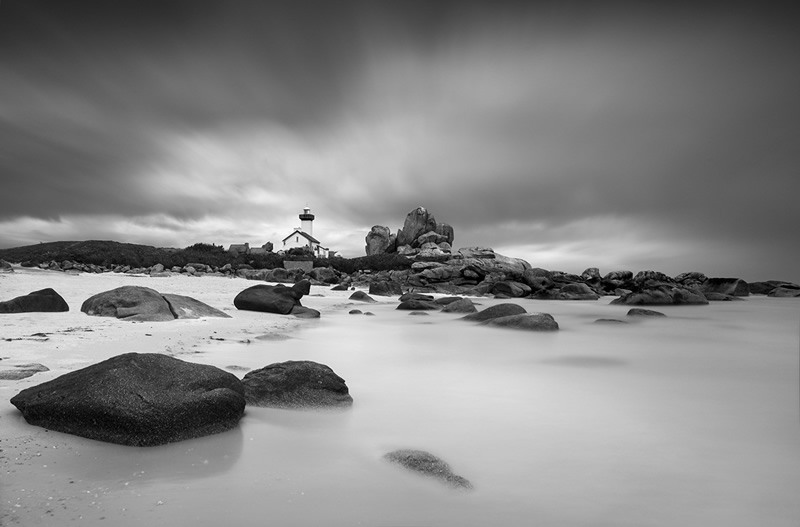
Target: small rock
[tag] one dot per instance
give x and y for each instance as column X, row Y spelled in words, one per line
column 427, row 464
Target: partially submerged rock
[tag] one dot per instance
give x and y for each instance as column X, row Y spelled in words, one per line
column 427, row 464
column 137, row 399
column 417, row 305
column 462, row 305
column 361, row 296
column 725, row 286
column 499, row 310
column 296, row 385
column 44, row 300
column 528, row 321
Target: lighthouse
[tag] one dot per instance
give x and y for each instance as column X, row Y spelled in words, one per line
column 307, row 221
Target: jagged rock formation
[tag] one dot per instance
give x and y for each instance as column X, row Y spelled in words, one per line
column 420, row 235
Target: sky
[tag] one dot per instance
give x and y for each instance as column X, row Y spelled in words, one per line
column 571, row 135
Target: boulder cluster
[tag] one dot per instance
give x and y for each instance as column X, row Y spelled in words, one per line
column 148, row 399
column 420, row 236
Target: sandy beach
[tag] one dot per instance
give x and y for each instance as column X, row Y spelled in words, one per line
column 691, row 420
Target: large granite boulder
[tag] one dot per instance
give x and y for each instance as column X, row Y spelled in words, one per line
column 527, row 321
column 44, row 300
column 137, row 303
column 137, row 399
column 379, row 240
column 278, row 299
column 497, row 311
column 725, row 286
column 5, row 267
column 296, row 385
column 426, row 464
column 447, row 231
column 661, row 295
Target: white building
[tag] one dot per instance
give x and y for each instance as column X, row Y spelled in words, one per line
column 303, row 236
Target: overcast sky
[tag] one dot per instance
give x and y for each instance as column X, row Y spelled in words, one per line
column 619, row 138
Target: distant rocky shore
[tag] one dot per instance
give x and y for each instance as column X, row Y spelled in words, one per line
column 431, row 265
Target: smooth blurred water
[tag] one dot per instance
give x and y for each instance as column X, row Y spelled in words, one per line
column 690, row 420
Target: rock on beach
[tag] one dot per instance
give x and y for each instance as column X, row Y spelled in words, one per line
column 296, row 385
column 42, row 301
column 137, row 399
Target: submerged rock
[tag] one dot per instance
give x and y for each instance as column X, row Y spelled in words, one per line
column 640, row 312
column 784, row 292
column 44, row 300
column 427, row 464
column 296, row 385
column 137, row 399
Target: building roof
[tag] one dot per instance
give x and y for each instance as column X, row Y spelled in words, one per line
column 304, row 234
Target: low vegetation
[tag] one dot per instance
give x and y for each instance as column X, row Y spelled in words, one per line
column 110, row 254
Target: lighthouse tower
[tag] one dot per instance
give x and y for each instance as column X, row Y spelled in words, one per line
column 307, row 221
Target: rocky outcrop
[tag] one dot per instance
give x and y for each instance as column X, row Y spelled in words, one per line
column 277, row 299
column 296, row 385
column 426, row 464
column 5, row 267
column 44, row 300
column 527, row 321
column 136, row 303
column 137, row 399
column 420, row 236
